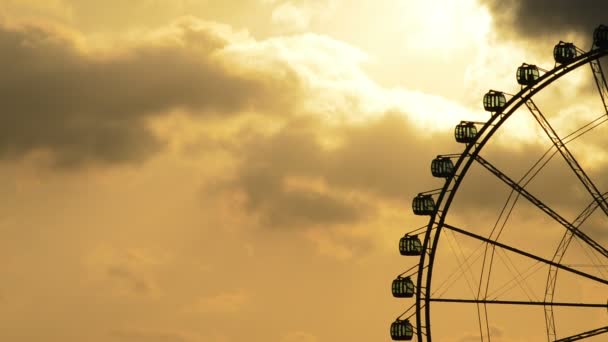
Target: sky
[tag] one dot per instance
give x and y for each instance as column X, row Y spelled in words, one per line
column 217, row 171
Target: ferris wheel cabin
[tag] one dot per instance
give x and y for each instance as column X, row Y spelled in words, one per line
column 403, row 287
column 494, row 101
column 465, row 132
column 402, row 330
column 410, row 245
column 564, row 52
column 600, row 36
column 527, row 74
column 442, row 167
column 423, row 205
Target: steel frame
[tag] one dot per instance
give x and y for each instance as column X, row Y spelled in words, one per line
column 446, row 196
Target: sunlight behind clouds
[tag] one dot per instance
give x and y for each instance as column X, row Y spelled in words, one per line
column 442, row 26
column 205, row 170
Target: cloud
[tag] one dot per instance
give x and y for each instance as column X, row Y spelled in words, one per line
column 291, row 17
column 228, row 302
column 126, row 271
column 295, row 178
column 539, row 19
column 134, row 280
column 148, row 336
column 299, row 336
column 82, row 104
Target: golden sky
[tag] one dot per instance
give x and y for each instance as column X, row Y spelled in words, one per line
column 242, row 170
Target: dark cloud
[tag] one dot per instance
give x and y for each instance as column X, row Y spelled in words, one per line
column 147, row 336
column 540, row 19
column 268, row 163
column 133, row 280
column 386, row 159
column 93, row 106
column 382, row 158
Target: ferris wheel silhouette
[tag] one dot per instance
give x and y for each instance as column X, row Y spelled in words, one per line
column 486, row 249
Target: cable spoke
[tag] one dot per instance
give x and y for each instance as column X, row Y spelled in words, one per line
column 557, row 257
column 561, row 147
column 464, row 268
column 526, row 254
column 518, row 279
column 585, row 334
column 517, row 302
column 592, row 243
column 600, row 81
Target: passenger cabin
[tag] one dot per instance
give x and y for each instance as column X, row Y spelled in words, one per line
column 442, row 167
column 600, row 37
column 410, row 245
column 402, row 330
column 465, row 132
column 564, row 52
column 527, row 74
column 423, row 205
column 403, row 287
column 494, row 101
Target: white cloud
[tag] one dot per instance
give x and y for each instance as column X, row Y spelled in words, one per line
column 221, row 303
column 291, row 18
column 299, row 336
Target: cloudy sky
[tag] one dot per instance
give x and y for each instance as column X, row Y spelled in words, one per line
column 216, row 171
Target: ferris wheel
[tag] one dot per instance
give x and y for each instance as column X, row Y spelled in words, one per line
column 494, row 260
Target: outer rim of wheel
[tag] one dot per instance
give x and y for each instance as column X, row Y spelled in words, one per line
column 452, row 184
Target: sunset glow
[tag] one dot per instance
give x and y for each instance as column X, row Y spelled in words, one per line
column 243, row 170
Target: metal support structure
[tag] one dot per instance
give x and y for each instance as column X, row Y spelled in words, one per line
column 552, row 273
column 563, row 150
column 518, row 302
column 526, row 254
column 462, row 165
column 570, row 227
column 600, row 81
column 583, row 335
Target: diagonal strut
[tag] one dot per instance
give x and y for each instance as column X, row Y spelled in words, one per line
column 561, row 147
column 573, row 229
column 600, row 81
column 585, row 334
column 526, row 254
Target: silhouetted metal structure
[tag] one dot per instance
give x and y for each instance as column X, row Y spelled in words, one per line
column 402, row 330
column 564, row 52
column 442, row 167
column 403, row 287
column 600, row 37
column 436, row 204
column 465, row 132
column 527, row 74
column 494, row 101
column 410, row 245
column 423, row 204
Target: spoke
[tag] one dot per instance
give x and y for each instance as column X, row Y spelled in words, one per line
column 600, row 81
column 573, row 229
column 561, row 147
column 563, row 246
column 585, row 334
column 517, row 302
column 557, row 257
column 526, row 254
column 517, row 279
column 464, row 270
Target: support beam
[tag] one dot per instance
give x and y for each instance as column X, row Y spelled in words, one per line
column 517, row 302
column 583, row 335
column 557, row 257
column 563, row 150
column 526, row 254
column 573, row 229
column 600, row 81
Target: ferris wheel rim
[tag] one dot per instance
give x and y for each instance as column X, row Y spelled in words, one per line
column 466, row 159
